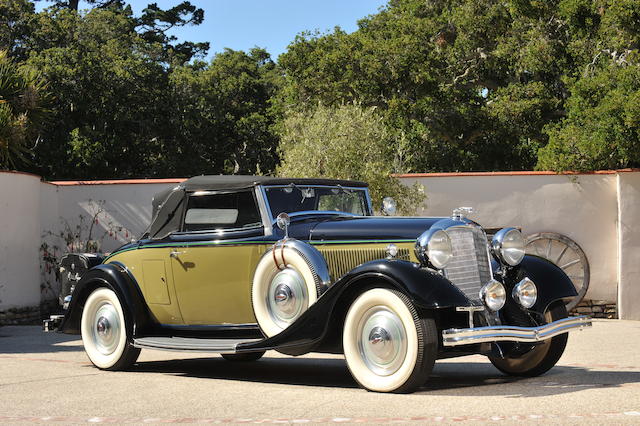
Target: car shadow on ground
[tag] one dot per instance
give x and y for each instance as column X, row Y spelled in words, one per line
column 28, row 339
column 447, row 378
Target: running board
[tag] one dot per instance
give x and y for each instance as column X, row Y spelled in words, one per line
column 225, row 346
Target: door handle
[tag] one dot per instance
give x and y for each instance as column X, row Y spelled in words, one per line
column 175, row 254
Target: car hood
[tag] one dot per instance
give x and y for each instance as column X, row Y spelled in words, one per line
column 371, row 228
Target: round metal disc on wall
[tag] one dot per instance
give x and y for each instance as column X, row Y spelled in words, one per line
column 567, row 254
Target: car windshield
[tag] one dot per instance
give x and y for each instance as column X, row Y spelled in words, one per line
column 298, row 198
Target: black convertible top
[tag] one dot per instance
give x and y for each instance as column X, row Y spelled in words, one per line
column 208, row 182
column 166, row 203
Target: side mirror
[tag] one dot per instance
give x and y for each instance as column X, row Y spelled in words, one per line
column 389, row 206
column 283, row 220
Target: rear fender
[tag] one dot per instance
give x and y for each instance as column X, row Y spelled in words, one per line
column 117, row 278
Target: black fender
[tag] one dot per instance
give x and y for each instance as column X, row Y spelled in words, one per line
column 553, row 284
column 117, row 278
column 426, row 289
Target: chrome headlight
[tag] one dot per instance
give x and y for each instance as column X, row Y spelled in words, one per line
column 494, row 295
column 434, row 247
column 525, row 293
column 508, row 246
column 389, row 206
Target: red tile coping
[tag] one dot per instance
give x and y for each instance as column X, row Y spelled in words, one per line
column 512, row 173
column 404, row 175
column 116, row 181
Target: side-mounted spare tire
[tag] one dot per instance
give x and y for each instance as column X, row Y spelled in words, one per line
column 288, row 279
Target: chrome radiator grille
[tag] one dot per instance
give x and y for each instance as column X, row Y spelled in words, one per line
column 341, row 261
column 469, row 268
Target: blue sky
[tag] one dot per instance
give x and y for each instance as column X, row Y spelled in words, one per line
column 272, row 24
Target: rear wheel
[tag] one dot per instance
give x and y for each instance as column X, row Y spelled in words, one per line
column 388, row 347
column 536, row 359
column 243, row 357
column 104, row 332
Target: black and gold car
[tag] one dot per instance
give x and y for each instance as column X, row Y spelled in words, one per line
column 238, row 265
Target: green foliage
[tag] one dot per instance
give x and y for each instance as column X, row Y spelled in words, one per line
column 23, row 98
column 456, row 84
column 345, row 142
column 472, row 84
column 602, row 128
column 222, row 115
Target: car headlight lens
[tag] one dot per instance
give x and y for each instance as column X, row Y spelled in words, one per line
column 494, row 295
column 508, row 246
column 525, row 293
column 434, row 247
column 389, row 206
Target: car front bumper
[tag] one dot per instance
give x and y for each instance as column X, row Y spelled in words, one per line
column 505, row 333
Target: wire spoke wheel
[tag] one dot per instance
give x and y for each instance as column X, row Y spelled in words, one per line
column 567, row 255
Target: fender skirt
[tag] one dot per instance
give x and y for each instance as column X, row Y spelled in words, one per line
column 426, row 289
column 115, row 277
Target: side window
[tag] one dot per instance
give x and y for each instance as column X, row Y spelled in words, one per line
column 221, row 211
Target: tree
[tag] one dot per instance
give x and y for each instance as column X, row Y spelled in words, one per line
column 345, row 142
column 153, row 25
column 111, row 96
column 16, row 18
column 602, row 125
column 130, row 102
column 472, row 84
column 602, row 128
column 223, row 117
column 23, row 100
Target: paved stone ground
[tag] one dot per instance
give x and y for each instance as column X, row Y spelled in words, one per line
column 47, row 378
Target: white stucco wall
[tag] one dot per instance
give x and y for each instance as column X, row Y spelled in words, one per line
column 124, row 205
column 598, row 211
column 629, row 245
column 19, row 240
column 582, row 207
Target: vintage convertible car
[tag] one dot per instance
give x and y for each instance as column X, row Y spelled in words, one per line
column 238, row 265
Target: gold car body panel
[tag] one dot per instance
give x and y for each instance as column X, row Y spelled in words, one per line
column 210, row 284
column 148, row 266
column 213, row 282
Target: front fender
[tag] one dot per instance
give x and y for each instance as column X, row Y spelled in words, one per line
column 115, row 277
column 426, row 290
column 553, row 284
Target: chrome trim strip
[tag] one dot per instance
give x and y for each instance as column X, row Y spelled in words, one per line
column 353, row 188
column 466, row 336
column 265, row 211
column 227, row 346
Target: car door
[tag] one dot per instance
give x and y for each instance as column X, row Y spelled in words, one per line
column 214, row 255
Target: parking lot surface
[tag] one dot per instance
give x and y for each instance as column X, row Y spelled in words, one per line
column 46, row 377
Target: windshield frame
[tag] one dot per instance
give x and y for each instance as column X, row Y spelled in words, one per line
column 365, row 190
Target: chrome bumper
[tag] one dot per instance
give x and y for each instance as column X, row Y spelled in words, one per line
column 500, row 333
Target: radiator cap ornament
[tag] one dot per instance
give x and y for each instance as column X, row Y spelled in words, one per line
column 460, row 213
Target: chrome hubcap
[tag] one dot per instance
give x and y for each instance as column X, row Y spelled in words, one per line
column 382, row 341
column 106, row 329
column 287, row 297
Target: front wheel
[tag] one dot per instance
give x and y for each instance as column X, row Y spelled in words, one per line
column 388, row 347
column 540, row 358
column 104, row 332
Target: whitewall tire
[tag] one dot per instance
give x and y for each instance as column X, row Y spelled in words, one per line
column 104, row 332
column 387, row 346
column 281, row 292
